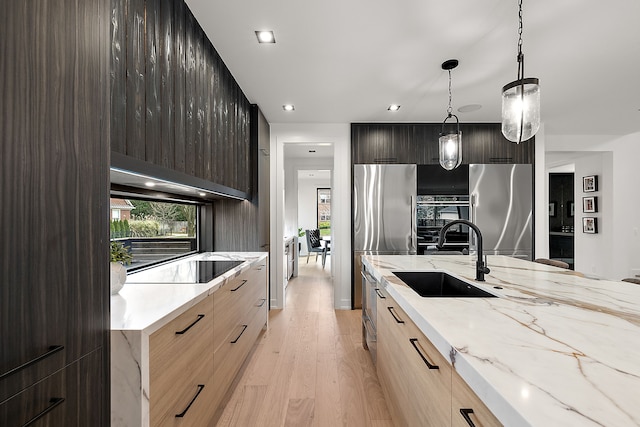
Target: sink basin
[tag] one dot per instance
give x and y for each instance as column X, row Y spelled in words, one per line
column 440, row 284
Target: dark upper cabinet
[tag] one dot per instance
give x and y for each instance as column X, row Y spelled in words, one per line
column 174, row 102
column 484, row 143
column 418, row 143
column 426, row 140
column 383, row 143
column 54, row 140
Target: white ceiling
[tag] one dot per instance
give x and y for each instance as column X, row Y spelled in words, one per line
column 341, row 61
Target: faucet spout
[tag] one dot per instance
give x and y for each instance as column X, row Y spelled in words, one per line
column 481, row 267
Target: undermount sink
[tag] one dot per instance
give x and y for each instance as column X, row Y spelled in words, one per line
column 440, row 284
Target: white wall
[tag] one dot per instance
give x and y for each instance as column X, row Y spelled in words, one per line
column 339, row 135
column 613, row 253
column 307, row 205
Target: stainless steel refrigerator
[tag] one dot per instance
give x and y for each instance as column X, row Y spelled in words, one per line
column 384, row 215
column 501, row 199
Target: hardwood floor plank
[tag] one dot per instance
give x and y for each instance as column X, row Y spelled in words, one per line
column 309, row 368
column 328, row 408
column 299, row 413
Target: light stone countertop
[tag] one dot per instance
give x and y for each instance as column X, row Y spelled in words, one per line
column 149, row 306
column 554, row 349
column 139, row 310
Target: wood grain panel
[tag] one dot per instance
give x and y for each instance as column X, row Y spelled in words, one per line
column 153, row 87
column 136, row 88
column 118, row 76
column 235, row 226
column 209, row 112
column 180, row 86
column 418, row 143
column 54, row 136
column 180, row 107
column 190, row 93
column 167, row 61
column 200, row 104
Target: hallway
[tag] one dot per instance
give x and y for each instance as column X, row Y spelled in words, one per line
column 309, row 368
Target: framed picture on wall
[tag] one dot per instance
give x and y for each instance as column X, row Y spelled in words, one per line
column 590, row 225
column 590, row 204
column 553, row 208
column 590, row 183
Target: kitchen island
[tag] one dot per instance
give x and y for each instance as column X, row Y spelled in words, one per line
column 554, row 349
column 177, row 344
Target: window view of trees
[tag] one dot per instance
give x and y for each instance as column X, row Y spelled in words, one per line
column 153, row 231
column 324, row 211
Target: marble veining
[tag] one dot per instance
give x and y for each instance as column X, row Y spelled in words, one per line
column 554, row 349
column 138, row 311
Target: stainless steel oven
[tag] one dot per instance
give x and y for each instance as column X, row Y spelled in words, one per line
column 433, row 212
column 369, row 312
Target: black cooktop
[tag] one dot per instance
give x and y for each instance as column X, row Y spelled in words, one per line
column 196, row 271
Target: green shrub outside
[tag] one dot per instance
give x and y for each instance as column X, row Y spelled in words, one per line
column 145, row 228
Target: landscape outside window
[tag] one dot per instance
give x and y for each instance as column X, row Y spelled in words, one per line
column 153, row 231
column 324, row 211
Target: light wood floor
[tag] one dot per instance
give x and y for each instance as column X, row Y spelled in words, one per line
column 309, row 368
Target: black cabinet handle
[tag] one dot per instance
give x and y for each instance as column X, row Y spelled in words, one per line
column 200, row 316
column 183, row 413
column 429, row 365
column 398, row 320
column 53, row 403
column 379, row 294
column 239, row 286
column 465, row 414
column 244, row 328
column 52, row 350
column 263, row 300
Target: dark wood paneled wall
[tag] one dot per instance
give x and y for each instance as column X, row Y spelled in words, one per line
column 418, row 143
column 238, row 225
column 54, row 269
column 174, row 102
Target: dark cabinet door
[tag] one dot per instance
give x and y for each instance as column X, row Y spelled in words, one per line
column 71, row 397
column 484, row 143
column 426, row 140
column 54, row 186
column 383, row 143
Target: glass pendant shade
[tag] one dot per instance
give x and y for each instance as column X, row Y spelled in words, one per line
column 450, row 150
column 521, row 110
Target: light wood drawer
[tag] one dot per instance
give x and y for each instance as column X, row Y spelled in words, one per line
column 416, row 375
column 465, row 402
column 180, row 355
column 187, row 402
column 230, row 356
column 234, row 303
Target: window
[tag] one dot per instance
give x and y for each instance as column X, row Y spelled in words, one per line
column 154, row 231
column 324, row 211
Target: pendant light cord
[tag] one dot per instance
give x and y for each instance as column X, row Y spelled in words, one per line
column 449, row 110
column 520, row 71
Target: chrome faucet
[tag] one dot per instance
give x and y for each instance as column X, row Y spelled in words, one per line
column 481, row 267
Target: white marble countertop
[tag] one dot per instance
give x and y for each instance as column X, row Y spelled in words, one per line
column 147, row 307
column 554, row 349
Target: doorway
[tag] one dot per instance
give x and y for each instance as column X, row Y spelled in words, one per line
column 561, row 217
column 314, row 211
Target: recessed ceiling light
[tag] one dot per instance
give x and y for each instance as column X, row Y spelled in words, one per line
column 265, row 37
column 202, row 194
column 288, row 107
column 150, row 184
column 393, row 107
column 469, row 108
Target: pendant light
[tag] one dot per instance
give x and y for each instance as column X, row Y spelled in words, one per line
column 450, row 143
column 520, row 100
